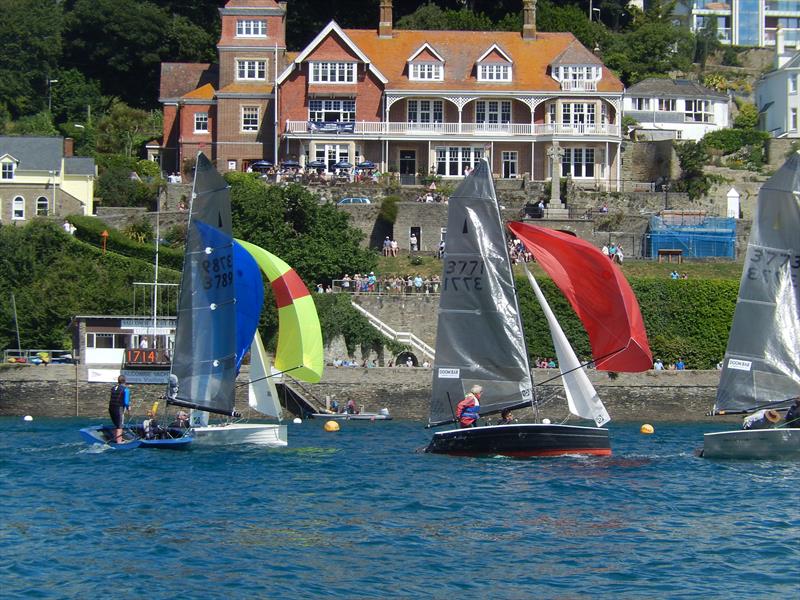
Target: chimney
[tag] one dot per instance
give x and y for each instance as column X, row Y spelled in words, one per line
column 529, row 19
column 69, row 147
column 385, row 22
column 780, row 47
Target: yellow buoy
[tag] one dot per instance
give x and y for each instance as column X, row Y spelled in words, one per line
column 647, row 429
column 331, row 426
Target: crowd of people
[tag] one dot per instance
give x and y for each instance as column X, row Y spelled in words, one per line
column 614, row 252
column 518, row 253
column 675, row 275
column 678, row 365
column 430, row 197
column 387, row 284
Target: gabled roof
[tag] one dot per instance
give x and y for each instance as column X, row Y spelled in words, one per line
column 204, row 92
column 34, row 153
column 576, row 54
column 793, row 62
column 673, row 88
column 461, row 49
column 251, row 4
column 331, row 28
column 494, row 48
column 179, row 79
column 425, row 47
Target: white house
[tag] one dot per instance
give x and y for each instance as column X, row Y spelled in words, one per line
column 777, row 96
column 675, row 109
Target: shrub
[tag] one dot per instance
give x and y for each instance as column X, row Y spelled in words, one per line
column 388, row 210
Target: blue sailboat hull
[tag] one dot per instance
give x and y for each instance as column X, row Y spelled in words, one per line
column 176, row 439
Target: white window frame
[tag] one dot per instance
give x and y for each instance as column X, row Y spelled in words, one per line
column 451, row 160
column 8, row 169
column 42, row 206
column 698, row 111
column 577, row 73
column 578, row 114
column 345, row 108
column 510, row 158
column 493, row 111
column 331, row 73
column 251, row 69
column 578, row 162
column 792, row 119
column 424, row 110
column 18, row 208
column 792, row 83
column 251, row 28
column 667, row 105
column 426, row 71
column 250, row 123
column 495, row 72
column 640, row 103
column 201, row 122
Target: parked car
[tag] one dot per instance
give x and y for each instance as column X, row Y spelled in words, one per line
column 345, row 201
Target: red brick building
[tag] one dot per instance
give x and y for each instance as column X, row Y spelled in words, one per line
column 411, row 101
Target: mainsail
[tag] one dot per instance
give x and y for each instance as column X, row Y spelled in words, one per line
column 204, row 357
column 761, row 365
column 479, row 338
column 299, row 352
column 599, row 294
column 582, row 398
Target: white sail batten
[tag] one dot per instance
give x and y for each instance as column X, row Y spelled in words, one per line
column 582, row 398
column 262, row 393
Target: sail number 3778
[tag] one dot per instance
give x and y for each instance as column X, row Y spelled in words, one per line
column 463, row 275
column 217, row 272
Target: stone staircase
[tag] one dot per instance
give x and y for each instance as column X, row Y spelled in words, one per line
column 403, row 337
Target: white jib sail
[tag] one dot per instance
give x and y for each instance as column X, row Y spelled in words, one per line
column 262, row 394
column 582, row 398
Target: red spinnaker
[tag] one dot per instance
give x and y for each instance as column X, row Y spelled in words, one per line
column 599, row 294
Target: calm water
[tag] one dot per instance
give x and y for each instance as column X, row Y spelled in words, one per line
column 358, row 514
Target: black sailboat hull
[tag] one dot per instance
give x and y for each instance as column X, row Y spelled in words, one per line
column 522, row 441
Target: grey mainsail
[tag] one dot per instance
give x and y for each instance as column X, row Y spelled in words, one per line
column 204, row 357
column 479, row 338
column 761, row 362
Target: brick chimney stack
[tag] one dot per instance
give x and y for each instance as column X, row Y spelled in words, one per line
column 69, row 147
column 385, row 22
column 529, row 19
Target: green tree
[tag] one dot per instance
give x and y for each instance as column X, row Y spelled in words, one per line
column 123, row 130
column 122, row 43
column 432, row 17
column 693, row 157
column 30, row 48
column 747, row 117
column 316, row 239
column 75, row 98
column 38, row 124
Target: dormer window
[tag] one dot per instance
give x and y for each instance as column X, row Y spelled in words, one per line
column 577, row 73
column 251, row 28
column 494, row 72
column 495, row 65
column 7, row 171
column 426, row 72
column 332, row 72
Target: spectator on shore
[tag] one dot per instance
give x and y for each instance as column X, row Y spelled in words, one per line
column 658, row 365
column 680, row 365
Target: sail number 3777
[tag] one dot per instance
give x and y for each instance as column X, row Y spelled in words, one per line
column 217, row 272
column 463, row 275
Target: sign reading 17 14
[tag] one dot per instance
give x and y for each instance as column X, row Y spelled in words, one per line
column 463, row 275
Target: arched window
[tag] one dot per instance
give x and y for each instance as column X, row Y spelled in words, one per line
column 42, row 206
column 18, row 208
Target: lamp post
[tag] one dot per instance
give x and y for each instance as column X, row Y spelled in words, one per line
column 596, row 10
column 50, row 83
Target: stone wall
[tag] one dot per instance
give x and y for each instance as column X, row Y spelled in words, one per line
column 649, row 161
column 652, row 396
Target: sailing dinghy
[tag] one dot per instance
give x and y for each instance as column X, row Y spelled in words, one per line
column 480, row 338
column 761, row 370
column 220, row 302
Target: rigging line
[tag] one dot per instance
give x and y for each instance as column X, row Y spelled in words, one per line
column 268, row 376
column 588, row 362
column 775, row 404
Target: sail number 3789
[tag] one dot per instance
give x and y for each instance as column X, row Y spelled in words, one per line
column 217, row 272
column 463, row 275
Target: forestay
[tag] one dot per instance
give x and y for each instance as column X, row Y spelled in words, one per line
column 761, row 362
column 479, row 337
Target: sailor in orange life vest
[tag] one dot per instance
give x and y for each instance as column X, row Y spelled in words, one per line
column 468, row 410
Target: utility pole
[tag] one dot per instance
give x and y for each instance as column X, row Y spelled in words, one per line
column 50, row 83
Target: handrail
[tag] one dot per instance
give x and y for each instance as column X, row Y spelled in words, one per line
column 404, row 337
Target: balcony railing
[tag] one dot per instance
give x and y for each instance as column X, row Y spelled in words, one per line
column 791, row 35
column 375, row 128
column 782, row 6
column 578, row 85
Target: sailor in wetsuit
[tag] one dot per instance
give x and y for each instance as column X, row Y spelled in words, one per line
column 468, row 410
column 119, row 402
column 793, row 414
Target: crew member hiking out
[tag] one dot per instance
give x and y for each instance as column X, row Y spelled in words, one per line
column 119, row 402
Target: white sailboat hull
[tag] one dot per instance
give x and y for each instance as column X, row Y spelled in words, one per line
column 778, row 443
column 260, row 434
